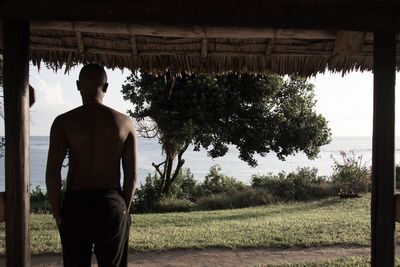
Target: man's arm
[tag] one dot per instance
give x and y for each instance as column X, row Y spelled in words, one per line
column 57, row 152
column 129, row 163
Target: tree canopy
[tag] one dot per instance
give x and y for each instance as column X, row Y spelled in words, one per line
column 258, row 114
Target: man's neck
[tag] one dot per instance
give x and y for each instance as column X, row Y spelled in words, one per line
column 92, row 100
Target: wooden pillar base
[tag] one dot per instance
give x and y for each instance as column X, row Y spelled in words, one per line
column 16, row 125
column 383, row 153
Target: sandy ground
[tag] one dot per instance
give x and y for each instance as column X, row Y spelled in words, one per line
column 220, row 256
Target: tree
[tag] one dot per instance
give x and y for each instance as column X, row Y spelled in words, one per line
column 256, row 113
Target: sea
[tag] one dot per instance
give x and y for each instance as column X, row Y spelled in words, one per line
column 149, row 151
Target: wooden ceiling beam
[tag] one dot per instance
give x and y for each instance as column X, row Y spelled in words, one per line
column 359, row 15
column 204, row 51
column 181, row 31
column 81, row 46
column 348, row 43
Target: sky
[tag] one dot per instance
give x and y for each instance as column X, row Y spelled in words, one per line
column 346, row 102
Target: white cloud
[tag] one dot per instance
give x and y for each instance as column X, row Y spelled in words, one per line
column 50, row 102
column 46, row 94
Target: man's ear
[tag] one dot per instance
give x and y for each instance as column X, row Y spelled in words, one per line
column 105, row 86
column 32, row 96
column 78, row 85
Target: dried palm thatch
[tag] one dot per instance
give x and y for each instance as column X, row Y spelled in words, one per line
column 155, row 48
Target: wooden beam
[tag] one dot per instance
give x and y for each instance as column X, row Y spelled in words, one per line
column 81, row 47
column 128, row 53
column 204, row 48
column 363, row 15
column 181, row 31
column 383, row 153
column 16, row 111
column 133, row 44
column 348, row 43
column 268, row 47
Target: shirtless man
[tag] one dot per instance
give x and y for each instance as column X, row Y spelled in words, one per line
column 94, row 212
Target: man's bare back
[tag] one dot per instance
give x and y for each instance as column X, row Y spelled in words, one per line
column 96, row 137
column 95, row 210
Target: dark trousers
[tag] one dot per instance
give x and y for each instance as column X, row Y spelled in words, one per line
column 94, row 221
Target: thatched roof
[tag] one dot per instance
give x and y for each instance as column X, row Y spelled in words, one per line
column 156, row 48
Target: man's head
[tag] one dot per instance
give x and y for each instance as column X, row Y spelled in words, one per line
column 92, row 83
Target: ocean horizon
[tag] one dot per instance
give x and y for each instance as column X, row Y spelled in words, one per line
column 149, row 151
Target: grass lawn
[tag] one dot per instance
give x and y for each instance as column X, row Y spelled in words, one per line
column 331, row 221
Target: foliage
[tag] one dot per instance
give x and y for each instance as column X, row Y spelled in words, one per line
column 351, row 175
column 302, row 184
column 39, row 200
column 215, row 182
column 2, row 146
column 144, row 199
column 171, row 204
column 234, row 200
column 185, row 186
column 256, row 113
column 218, row 191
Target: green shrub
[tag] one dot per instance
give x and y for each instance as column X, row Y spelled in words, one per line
column 39, row 201
column 216, row 182
column 300, row 185
column 352, row 176
column 185, row 186
column 240, row 199
column 173, row 205
column 321, row 190
column 144, row 199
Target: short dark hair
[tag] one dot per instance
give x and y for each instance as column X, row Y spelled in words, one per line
column 92, row 69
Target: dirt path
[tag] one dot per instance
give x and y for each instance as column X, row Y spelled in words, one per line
column 221, row 257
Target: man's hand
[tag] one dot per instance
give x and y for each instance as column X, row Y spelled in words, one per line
column 129, row 163
column 57, row 152
column 58, row 221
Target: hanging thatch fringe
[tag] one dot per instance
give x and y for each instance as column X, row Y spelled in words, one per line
column 157, row 49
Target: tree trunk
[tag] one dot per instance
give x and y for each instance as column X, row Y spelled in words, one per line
column 168, row 172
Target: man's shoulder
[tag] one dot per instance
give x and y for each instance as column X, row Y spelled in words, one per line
column 116, row 112
column 120, row 116
column 70, row 116
column 64, row 116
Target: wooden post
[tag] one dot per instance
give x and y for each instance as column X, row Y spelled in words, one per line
column 16, row 112
column 383, row 154
column 397, row 206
